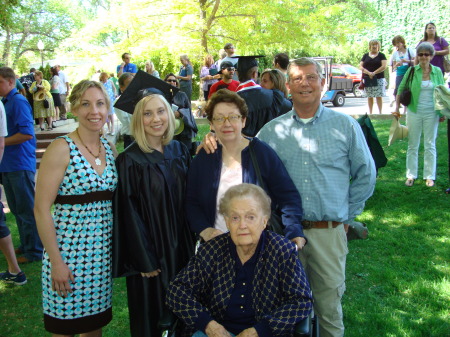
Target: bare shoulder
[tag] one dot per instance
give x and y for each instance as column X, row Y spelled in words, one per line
column 57, row 154
column 113, row 149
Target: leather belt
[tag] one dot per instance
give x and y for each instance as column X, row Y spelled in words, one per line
column 320, row 224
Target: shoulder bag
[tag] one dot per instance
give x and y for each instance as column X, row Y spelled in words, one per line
column 275, row 223
column 405, row 96
column 46, row 102
column 446, row 59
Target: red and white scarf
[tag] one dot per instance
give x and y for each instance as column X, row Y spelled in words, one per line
column 250, row 84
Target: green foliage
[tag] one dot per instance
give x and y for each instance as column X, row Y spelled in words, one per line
column 33, row 20
column 46, row 71
column 408, row 18
column 162, row 30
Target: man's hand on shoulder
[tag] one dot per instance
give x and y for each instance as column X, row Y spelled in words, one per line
column 209, row 143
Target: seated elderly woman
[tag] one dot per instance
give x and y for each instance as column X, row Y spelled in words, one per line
column 247, row 282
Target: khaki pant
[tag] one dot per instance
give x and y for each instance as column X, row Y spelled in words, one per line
column 62, row 108
column 323, row 259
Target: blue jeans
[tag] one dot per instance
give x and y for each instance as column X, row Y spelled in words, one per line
column 19, row 190
column 4, row 230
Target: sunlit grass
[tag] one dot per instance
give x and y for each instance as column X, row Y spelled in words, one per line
column 398, row 281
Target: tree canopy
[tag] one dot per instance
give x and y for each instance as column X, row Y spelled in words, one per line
column 102, row 30
column 25, row 22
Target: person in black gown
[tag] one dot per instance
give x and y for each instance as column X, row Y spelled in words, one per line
column 184, row 112
column 263, row 104
column 151, row 241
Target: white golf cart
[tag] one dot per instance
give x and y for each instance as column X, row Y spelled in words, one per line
column 334, row 88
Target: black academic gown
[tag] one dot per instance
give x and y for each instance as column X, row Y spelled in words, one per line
column 263, row 106
column 190, row 127
column 286, row 106
column 150, row 231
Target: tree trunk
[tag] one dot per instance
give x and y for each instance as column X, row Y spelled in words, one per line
column 204, row 40
column 19, row 46
column 6, row 48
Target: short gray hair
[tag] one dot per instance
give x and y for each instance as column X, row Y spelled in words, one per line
column 426, row 46
column 302, row 62
column 242, row 191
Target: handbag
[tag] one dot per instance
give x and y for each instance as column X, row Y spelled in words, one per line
column 275, row 224
column 405, row 96
column 370, row 82
column 446, row 59
column 361, row 84
column 46, row 103
column 446, row 64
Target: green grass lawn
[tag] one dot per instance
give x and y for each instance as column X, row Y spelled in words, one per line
column 398, row 281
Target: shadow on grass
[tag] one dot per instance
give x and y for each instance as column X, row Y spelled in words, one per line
column 398, row 279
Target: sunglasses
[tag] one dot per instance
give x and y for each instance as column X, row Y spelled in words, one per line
column 423, row 54
column 229, row 68
column 174, row 81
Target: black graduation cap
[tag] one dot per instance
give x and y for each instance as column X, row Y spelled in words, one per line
column 142, row 85
column 246, row 62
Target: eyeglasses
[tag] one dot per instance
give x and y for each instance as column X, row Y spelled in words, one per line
column 309, row 79
column 174, row 81
column 229, row 68
column 423, row 54
column 231, row 119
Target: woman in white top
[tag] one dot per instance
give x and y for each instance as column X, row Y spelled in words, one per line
column 150, row 69
column 401, row 60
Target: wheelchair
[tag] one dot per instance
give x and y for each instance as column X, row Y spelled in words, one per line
column 308, row 327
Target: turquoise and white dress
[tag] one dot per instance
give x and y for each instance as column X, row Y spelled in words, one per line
column 83, row 222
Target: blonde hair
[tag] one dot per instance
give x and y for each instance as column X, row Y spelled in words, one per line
column 278, row 79
column 208, row 61
column 79, row 90
column 137, row 123
column 151, row 65
column 39, row 73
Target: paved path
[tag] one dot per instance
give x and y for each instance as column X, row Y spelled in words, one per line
column 353, row 106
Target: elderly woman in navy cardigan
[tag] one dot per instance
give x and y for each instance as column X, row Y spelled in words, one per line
column 231, row 165
column 248, row 282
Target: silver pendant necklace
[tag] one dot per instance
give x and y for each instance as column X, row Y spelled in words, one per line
column 97, row 159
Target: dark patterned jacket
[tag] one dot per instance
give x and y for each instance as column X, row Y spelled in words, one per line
column 281, row 293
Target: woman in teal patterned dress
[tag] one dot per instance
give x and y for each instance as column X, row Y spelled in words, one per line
column 78, row 175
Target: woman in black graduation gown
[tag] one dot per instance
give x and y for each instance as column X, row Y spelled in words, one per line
column 151, row 239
